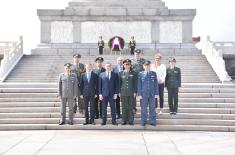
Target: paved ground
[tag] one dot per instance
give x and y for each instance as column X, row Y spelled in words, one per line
column 116, row 143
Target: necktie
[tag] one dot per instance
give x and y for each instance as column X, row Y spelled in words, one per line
column 108, row 75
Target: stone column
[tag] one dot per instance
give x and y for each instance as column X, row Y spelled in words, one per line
column 45, row 31
column 187, row 31
column 155, row 32
column 77, row 32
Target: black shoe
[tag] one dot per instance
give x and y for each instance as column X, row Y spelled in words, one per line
column 114, row 123
column 174, row 113
column 119, row 116
column 70, row 123
column 153, row 124
column 86, row 123
column 123, row 123
column 61, row 123
column 171, row 113
column 131, row 123
column 103, row 123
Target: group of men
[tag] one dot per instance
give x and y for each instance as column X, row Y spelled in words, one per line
column 130, row 80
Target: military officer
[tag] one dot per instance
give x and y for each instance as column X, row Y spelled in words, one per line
column 137, row 66
column 101, row 45
column 172, row 83
column 132, row 45
column 98, row 103
column 127, row 84
column 78, row 68
column 67, row 92
column 147, row 89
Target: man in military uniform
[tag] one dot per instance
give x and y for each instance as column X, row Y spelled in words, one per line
column 67, row 92
column 137, row 66
column 132, row 45
column 127, row 84
column 98, row 103
column 78, row 68
column 172, row 83
column 101, row 45
column 147, row 89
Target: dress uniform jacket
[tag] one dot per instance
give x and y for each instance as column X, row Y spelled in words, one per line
column 68, row 85
column 173, row 78
column 137, row 65
column 128, row 82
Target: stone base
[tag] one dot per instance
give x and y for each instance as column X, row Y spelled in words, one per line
column 91, row 49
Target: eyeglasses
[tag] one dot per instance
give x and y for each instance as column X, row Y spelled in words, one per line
column 127, row 64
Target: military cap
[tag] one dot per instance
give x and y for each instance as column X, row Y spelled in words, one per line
column 147, row 62
column 138, row 51
column 99, row 59
column 77, row 56
column 128, row 61
column 172, row 59
column 67, row 65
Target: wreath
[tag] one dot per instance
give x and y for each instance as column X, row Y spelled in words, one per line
column 116, row 43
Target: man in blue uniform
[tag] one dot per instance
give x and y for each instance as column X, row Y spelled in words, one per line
column 147, row 90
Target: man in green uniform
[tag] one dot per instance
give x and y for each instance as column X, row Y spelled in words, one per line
column 127, row 83
column 132, row 45
column 173, row 82
column 137, row 65
column 78, row 68
column 98, row 103
column 101, row 45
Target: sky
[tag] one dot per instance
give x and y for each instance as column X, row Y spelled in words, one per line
column 19, row 17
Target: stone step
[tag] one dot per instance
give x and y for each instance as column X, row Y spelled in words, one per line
column 210, row 128
column 163, row 116
column 57, row 109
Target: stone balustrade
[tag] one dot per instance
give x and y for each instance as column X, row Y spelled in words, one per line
column 214, row 55
column 12, row 53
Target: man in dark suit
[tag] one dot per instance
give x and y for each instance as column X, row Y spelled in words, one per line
column 108, row 90
column 173, row 82
column 89, row 90
column 117, row 69
column 98, row 103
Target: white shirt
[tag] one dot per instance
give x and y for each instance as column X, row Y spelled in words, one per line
column 108, row 74
column 160, row 71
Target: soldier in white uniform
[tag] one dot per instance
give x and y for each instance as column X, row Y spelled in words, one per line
column 67, row 92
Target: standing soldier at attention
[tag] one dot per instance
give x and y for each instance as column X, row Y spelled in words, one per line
column 98, row 103
column 137, row 66
column 132, row 45
column 127, row 84
column 172, row 83
column 147, row 89
column 101, row 45
column 67, row 88
column 78, row 68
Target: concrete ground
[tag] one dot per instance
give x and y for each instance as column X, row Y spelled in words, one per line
column 116, row 143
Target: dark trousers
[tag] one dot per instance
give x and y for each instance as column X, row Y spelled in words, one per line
column 111, row 101
column 161, row 95
column 101, row 49
column 173, row 97
column 118, row 111
column 98, row 107
column 89, row 100
column 127, row 109
column 132, row 50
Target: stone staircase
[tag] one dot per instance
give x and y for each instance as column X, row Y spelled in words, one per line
column 28, row 98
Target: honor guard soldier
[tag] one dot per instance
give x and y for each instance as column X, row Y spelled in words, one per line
column 132, row 45
column 78, row 68
column 101, row 45
column 127, row 84
column 98, row 103
column 137, row 66
column 147, row 89
column 67, row 87
column 172, row 83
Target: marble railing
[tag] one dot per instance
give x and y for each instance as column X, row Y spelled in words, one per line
column 214, row 55
column 12, row 53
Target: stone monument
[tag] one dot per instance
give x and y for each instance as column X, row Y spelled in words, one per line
column 154, row 26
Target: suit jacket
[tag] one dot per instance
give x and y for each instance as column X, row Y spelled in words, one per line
column 116, row 69
column 108, row 87
column 173, row 78
column 147, row 85
column 89, row 88
column 68, row 85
